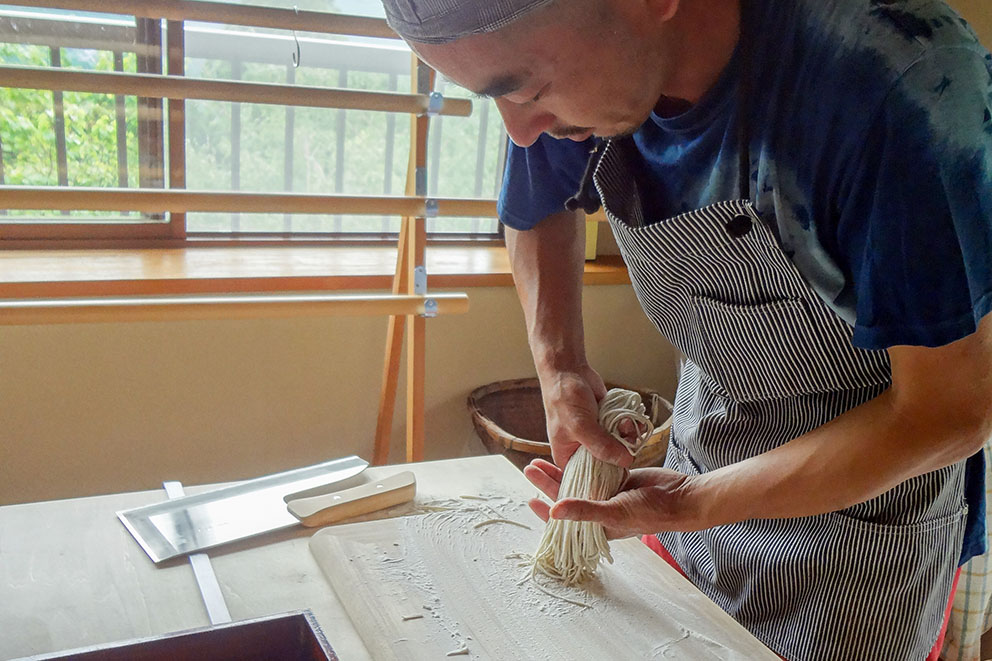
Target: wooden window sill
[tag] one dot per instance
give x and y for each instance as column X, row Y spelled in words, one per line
column 200, row 270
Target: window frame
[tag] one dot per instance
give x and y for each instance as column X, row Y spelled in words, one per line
column 172, row 229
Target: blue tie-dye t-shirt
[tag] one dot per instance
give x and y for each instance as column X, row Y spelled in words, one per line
column 871, row 155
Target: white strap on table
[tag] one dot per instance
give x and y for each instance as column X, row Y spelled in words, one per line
column 206, row 580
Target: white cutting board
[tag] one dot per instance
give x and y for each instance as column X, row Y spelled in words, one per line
column 468, row 594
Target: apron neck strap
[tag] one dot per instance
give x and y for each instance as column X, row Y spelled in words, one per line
column 744, row 99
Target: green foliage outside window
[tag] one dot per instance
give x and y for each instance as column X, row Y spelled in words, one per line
column 27, row 133
column 27, row 126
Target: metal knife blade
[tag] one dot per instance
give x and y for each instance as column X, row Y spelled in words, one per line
column 194, row 523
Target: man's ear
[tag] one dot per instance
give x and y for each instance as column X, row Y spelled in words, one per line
column 663, row 10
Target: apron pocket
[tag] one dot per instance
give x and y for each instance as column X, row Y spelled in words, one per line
column 766, row 351
column 850, row 589
column 858, row 528
column 831, row 587
column 678, row 459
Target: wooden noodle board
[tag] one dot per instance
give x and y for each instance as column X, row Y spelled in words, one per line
column 457, row 578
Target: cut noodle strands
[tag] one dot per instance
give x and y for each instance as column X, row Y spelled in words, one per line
column 570, row 551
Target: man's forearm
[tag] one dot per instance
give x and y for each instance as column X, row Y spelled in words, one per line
column 855, row 457
column 547, row 264
column 937, row 412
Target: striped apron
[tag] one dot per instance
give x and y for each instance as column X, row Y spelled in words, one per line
column 767, row 361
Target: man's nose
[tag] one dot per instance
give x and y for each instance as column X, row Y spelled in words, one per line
column 524, row 123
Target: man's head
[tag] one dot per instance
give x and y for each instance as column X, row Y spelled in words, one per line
column 570, row 68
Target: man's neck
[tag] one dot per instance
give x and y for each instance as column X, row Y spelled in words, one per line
column 700, row 41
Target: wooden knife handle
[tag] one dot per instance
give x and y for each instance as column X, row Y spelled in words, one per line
column 376, row 495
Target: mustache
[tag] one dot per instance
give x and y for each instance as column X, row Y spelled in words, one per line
column 568, row 131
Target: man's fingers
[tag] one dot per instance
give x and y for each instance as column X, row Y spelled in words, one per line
column 606, row 448
column 545, row 477
column 598, row 387
column 603, row 512
column 553, row 471
column 562, row 453
column 540, row 508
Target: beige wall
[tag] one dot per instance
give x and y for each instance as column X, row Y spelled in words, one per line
column 979, row 14
column 101, row 408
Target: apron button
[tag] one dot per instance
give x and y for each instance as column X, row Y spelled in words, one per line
column 739, row 226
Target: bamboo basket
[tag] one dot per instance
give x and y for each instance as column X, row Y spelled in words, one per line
column 509, row 418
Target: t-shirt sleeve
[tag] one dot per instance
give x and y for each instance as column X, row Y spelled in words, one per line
column 538, row 179
column 915, row 225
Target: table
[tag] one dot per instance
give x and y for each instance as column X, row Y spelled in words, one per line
column 72, row 576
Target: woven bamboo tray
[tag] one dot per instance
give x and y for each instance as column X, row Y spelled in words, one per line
column 509, row 418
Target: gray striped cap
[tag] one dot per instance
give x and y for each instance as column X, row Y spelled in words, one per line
column 442, row 21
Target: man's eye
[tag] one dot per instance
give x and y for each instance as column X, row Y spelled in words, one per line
column 537, row 97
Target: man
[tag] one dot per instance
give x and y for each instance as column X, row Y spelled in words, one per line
column 802, row 192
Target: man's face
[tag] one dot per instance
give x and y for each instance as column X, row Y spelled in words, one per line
column 571, row 75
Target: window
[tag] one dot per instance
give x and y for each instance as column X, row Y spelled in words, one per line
column 73, row 139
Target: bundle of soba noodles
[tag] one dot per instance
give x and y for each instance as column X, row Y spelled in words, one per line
column 570, row 551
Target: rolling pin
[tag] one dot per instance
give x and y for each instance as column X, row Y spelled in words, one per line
column 333, row 507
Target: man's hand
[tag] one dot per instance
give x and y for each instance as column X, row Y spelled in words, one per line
column 571, row 402
column 651, row 500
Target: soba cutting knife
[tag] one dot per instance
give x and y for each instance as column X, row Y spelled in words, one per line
column 206, row 520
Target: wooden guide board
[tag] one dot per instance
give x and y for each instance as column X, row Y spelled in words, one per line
column 434, row 585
